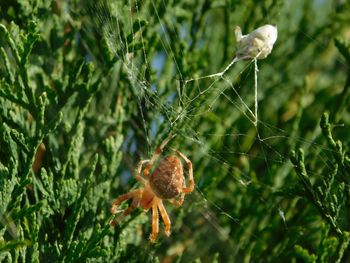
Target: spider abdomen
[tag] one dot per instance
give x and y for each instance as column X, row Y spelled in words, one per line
column 167, row 178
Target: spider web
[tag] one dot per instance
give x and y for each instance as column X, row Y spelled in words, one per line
column 243, row 150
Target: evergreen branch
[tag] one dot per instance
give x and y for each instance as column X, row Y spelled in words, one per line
column 12, row 245
column 75, row 216
column 11, row 43
column 9, row 75
column 6, row 93
column 344, row 244
column 298, row 160
column 338, row 152
column 21, row 60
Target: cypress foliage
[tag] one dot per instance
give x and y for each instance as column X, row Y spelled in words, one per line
column 88, row 88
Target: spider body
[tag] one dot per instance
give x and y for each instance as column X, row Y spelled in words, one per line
column 165, row 182
column 167, row 179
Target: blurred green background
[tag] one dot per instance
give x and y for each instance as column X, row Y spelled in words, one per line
column 88, row 88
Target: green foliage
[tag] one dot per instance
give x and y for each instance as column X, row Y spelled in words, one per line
column 88, row 88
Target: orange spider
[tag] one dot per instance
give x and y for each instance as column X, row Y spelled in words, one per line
column 166, row 181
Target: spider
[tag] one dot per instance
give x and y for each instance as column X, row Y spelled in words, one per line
column 165, row 182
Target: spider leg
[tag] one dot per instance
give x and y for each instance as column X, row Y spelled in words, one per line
column 119, row 200
column 122, row 216
column 155, row 223
column 165, row 217
column 190, row 174
column 178, row 202
column 135, row 195
column 156, row 154
column 138, row 171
